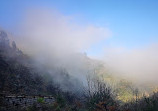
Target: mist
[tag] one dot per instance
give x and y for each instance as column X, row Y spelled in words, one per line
column 58, row 41
column 138, row 65
column 53, row 33
column 61, row 41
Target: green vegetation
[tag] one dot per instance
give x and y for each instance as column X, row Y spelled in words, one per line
column 40, row 100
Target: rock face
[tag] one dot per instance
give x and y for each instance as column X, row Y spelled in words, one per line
column 25, row 101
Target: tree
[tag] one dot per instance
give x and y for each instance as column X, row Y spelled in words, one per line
column 14, row 45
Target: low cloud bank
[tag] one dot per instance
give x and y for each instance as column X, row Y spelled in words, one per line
column 58, row 40
column 49, row 34
column 139, row 65
column 52, row 33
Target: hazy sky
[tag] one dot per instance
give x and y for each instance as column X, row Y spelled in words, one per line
column 133, row 23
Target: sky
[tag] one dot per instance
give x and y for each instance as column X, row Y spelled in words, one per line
column 133, row 23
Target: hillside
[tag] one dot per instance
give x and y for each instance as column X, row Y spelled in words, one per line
column 19, row 74
column 100, row 91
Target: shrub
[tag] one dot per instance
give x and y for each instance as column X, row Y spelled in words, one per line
column 99, row 95
column 40, row 100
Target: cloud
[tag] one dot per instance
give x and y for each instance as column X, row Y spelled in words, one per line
column 57, row 40
column 49, row 32
column 138, row 64
column 56, row 36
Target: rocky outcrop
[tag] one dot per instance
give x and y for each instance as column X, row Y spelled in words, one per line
column 26, row 101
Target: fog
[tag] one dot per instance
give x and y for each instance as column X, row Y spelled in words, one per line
column 59, row 40
column 53, row 33
column 139, row 65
